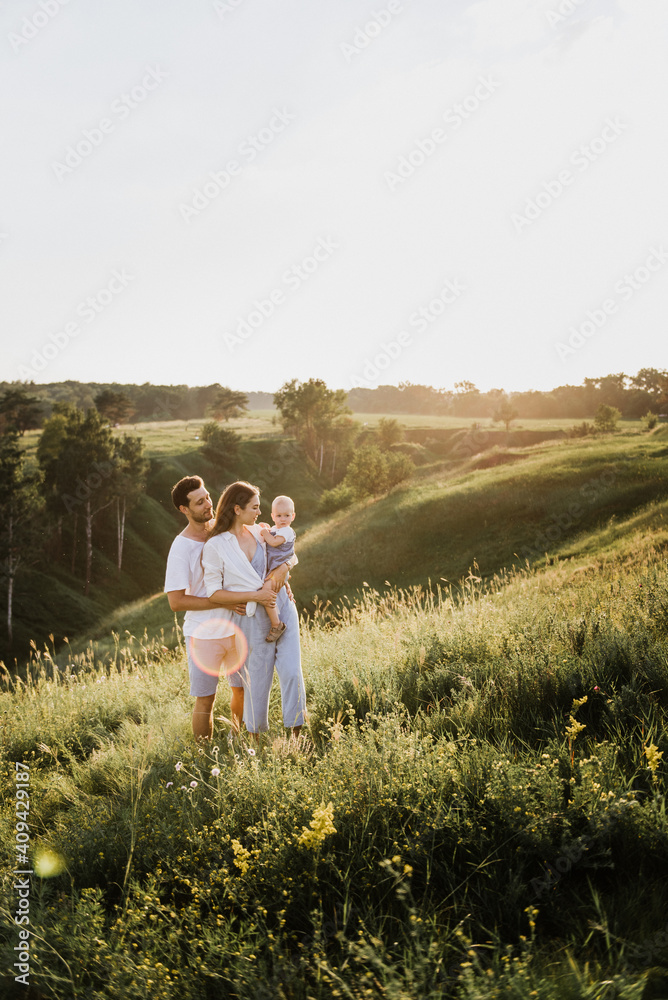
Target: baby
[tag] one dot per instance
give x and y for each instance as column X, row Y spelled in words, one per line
column 281, row 546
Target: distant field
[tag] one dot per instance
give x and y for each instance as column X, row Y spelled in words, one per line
column 417, row 420
column 173, row 437
column 176, row 437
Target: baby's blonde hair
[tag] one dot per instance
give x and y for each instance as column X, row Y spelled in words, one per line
column 278, row 500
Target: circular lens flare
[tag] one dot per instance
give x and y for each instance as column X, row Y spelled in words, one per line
column 48, row 863
column 215, row 656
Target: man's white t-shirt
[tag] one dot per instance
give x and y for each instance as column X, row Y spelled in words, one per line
column 184, row 571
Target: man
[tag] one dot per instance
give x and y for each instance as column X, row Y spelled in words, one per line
column 204, row 628
column 209, row 637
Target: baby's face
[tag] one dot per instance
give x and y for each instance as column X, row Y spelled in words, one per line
column 282, row 516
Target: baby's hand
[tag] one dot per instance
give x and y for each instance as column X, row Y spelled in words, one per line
column 264, row 526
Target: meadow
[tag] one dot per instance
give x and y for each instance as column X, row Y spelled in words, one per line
column 476, row 809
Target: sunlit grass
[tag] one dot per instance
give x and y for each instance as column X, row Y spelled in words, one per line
column 464, row 839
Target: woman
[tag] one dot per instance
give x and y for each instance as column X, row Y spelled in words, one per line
column 235, row 562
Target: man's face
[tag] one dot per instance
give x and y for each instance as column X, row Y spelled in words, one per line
column 199, row 507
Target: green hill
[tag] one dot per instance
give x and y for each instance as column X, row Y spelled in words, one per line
column 492, row 512
column 53, row 603
column 496, row 509
column 477, row 811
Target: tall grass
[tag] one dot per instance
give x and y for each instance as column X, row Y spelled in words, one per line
column 492, row 754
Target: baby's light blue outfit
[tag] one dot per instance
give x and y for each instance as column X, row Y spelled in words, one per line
column 258, row 671
column 281, row 553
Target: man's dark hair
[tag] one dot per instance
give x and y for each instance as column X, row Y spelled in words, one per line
column 183, row 488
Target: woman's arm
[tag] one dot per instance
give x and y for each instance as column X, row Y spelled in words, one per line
column 228, row 598
column 214, row 572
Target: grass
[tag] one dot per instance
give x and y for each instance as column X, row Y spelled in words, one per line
column 497, row 508
column 482, row 846
column 428, row 420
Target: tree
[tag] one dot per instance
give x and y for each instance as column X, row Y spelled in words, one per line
column 19, row 515
column 19, row 410
column 228, row 403
column 372, row 471
column 49, row 447
column 311, row 411
column 367, row 473
column 466, row 401
column 115, row 406
column 79, row 471
column 389, row 432
column 606, row 418
column 505, row 413
column 221, row 446
column 129, row 483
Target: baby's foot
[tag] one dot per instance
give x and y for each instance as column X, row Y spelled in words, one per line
column 275, row 632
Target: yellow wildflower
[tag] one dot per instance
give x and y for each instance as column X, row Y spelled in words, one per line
column 241, row 856
column 574, row 728
column 320, row 826
column 654, row 756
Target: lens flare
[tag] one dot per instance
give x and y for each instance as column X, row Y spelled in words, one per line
column 218, row 657
column 47, row 863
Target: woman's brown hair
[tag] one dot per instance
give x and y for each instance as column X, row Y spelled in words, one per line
column 238, row 494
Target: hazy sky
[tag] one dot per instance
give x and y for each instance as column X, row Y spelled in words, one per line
column 246, row 192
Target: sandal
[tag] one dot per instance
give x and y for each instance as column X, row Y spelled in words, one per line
column 275, row 632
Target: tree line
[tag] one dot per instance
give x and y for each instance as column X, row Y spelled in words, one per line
column 124, row 404
column 50, row 508
column 633, row 395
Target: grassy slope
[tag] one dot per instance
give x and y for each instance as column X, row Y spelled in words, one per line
column 441, row 522
column 53, row 602
column 436, row 527
column 459, row 807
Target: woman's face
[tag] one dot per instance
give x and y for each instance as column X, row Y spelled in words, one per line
column 250, row 513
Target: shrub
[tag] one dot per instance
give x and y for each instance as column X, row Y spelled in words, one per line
column 389, row 432
column 367, row 472
column 372, row 472
column 606, row 418
column 336, row 499
column 581, row 430
column 399, row 467
column 650, row 420
column 221, row 446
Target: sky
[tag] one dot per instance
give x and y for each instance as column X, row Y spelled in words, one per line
column 247, row 192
